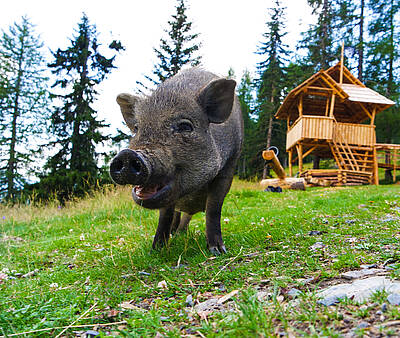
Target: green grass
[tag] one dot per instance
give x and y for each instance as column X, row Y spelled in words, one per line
column 93, row 255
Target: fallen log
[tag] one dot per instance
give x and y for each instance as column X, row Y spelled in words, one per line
column 293, row 183
column 282, row 181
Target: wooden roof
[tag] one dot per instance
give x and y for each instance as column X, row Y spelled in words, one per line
column 363, row 94
column 354, row 101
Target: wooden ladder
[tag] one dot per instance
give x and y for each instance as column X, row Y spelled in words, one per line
column 342, row 152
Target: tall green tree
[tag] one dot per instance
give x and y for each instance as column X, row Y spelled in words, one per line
column 78, row 69
column 245, row 92
column 383, row 70
column 23, row 102
column 350, row 27
column 271, row 83
column 178, row 49
column 319, row 39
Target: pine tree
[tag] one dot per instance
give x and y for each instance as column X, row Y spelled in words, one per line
column 319, row 39
column 245, row 92
column 177, row 50
column 23, row 102
column 383, row 61
column 350, row 28
column 271, row 83
column 73, row 169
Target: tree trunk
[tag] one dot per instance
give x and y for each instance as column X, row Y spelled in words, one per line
column 79, row 111
column 12, row 161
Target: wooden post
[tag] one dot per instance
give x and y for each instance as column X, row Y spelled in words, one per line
column 290, row 162
column 300, row 105
column 373, row 116
column 394, row 164
column 332, row 105
column 341, row 64
column 327, row 106
column 375, row 175
column 299, row 148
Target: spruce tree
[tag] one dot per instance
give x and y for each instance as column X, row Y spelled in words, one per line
column 319, row 39
column 23, row 102
column 245, row 92
column 382, row 66
column 270, row 84
column 78, row 69
column 177, row 49
column 350, row 29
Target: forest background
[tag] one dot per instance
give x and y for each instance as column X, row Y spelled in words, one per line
column 53, row 143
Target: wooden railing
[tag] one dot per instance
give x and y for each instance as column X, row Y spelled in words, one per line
column 356, row 134
column 322, row 128
column 310, row 127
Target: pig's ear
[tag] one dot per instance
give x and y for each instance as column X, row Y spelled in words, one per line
column 217, row 99
column 127, row 104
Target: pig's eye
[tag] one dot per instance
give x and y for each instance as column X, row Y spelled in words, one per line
column 184, row 126
column 134, row 130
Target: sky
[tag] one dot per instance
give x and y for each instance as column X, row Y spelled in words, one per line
column 230, row 31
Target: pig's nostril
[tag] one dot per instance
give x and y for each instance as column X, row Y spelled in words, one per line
column 116, row 166
column 135, row 166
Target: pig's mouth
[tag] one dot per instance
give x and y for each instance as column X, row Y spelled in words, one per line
column 155, row 193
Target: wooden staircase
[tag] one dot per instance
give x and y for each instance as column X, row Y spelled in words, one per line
column 354, row 159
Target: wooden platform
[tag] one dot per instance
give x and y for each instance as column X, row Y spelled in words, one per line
column 388, row 157
column 336, row 177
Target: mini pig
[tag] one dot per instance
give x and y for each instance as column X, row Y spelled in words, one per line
column 186, row 140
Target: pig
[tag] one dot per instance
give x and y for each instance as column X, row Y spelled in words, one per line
column 186, row 139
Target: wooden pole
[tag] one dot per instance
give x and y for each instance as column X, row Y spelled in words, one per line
column 341, row 64
column 300, row 156
column 290, row 162
column 394, row 164
column 332, row 105
column 282, row 181
column 376, row 174
column 269, row 155
column 300, row 105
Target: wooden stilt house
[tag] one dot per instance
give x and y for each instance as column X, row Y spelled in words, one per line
column 331, row 115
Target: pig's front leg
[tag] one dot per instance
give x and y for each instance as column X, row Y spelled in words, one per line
column 215, row 198
column 164, row 226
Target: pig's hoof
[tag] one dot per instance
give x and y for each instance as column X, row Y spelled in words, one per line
column 218, row 251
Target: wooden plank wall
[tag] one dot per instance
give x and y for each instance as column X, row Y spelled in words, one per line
column 357, row 134
column 317, row 127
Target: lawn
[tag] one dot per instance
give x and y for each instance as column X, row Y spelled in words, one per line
column 87, row 267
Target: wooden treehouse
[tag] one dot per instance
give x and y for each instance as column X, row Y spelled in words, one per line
column 331, row 115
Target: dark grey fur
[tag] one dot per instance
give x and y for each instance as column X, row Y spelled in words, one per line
column 187, row 137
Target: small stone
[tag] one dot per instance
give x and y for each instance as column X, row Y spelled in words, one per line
column 293, row 293
column 368, row 266
column 363, row 325
column 317, row 245
column 91, row 333
column 328, row 301
column 384, row 307
column 222, row 288
column 144, row 273
column 315, row 233
column 189, row 301
column 263, row 296
column 394, row 299
column 360, row 273
column 164, row 319
column 379, row 312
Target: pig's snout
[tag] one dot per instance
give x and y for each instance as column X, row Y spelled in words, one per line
column 129, row 167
